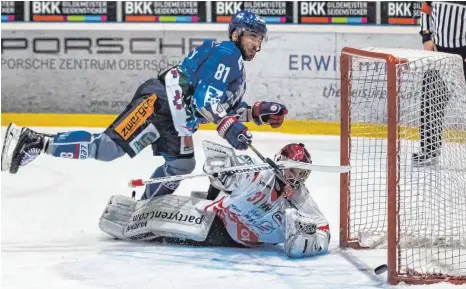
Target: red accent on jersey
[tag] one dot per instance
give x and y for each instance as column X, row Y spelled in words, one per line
column 246, row 235
column 76, row 155
column 274, row 195
column 426, row 8
column 243, row 232
column 325, row 228
column 257, row 198
column 214, row 204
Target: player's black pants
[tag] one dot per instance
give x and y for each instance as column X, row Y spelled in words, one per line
column 147, row 120
column 434, row 99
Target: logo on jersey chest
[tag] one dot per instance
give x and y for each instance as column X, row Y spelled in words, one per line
column 213, row 95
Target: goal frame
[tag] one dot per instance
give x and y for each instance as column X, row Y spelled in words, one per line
column 393, row 166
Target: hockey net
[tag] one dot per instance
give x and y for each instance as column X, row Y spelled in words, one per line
column 414, row 210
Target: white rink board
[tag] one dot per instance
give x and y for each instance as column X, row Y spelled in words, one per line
column 298, row 66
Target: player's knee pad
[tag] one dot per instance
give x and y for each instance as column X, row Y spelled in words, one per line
column 302, row 238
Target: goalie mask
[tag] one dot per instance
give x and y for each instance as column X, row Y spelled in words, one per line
column 295, row 152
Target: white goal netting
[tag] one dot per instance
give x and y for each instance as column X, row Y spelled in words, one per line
column 429, row 94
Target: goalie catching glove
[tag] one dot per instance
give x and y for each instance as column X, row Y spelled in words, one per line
column 303, row 237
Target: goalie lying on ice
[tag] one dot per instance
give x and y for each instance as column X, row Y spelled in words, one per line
column 245, row 210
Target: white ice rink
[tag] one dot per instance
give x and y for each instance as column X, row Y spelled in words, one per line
column 50, row 236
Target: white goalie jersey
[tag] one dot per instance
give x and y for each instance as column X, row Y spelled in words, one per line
column 254, row 213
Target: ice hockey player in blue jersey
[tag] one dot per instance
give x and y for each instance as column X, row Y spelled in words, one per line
column 208, row 86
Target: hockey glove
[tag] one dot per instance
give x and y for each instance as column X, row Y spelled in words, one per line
column 269, row 112
column 234, row 132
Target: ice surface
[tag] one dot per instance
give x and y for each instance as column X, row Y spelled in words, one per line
column 50, row 236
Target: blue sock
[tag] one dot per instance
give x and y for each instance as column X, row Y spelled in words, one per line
column 73, row 145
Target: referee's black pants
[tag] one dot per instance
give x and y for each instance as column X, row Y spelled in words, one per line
column 434, row 99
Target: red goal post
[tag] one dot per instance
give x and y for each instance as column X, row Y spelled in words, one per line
column 417, row 214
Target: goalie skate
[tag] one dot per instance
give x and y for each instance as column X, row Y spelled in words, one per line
column 9, row 143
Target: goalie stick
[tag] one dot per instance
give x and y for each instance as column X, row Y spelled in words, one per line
column 244, row 170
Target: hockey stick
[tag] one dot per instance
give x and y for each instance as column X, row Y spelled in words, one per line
column 242, row 170
column 228, row 171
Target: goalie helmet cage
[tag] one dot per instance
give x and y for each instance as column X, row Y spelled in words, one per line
column 417, row 214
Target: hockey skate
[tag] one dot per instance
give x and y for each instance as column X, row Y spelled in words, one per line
column 424, row 159
column 21, row 146
column 10, row 140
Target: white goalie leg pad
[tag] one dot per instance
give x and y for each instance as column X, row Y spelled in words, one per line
column 117, row 215
column 169, row 216
column 302, row 237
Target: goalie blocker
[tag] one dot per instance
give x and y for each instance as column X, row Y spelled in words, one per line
column 248, row 210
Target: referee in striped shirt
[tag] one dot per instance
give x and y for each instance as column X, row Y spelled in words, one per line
column 443, row 28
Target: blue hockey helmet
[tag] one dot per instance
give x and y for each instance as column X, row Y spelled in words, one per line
column 245, row 20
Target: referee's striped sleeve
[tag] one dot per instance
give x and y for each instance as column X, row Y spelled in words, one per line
column 425, row 18
column 425, row 23
column 447, row 23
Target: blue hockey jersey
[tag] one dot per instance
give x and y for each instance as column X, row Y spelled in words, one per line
column 217, row 74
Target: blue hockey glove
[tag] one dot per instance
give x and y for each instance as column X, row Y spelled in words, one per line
column 272, row 113
column 236, row 133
